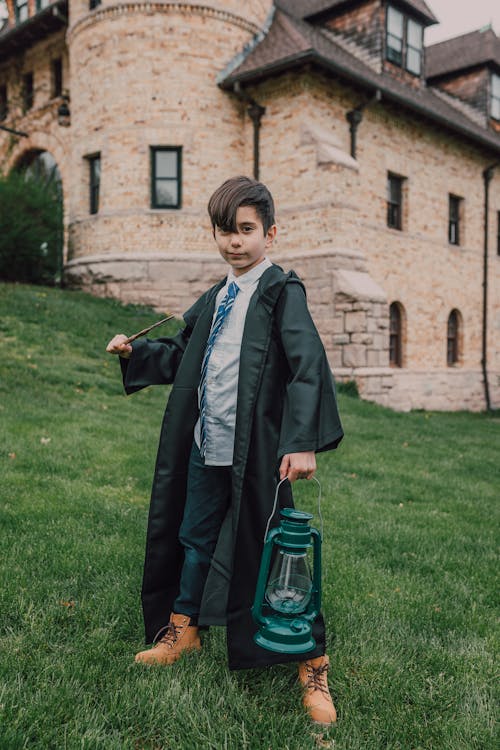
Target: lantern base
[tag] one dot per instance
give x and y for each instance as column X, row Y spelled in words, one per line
column 286, row 636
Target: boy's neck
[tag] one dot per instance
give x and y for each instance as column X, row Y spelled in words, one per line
column 237, row 273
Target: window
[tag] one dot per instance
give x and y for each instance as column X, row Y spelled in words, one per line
column 453, row 344
column 4, row 103
column 166, row 177
column 21, row 10
column 41, row 4
column 94, row 181
column 57, row 80
column 94, row 4
column 404, row 41
column 495, row 96
column 395, row 335
column 394, row 201
column 454, row 219
column 28, row 91
column 4, row 14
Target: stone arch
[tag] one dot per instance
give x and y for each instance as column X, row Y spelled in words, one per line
column 397, row 334
column 41, row 165
column 454, row 338
column 38, row 142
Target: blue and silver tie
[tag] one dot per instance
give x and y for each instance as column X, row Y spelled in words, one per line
column 222, row 312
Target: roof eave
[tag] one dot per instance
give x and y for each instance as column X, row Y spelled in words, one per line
column 311, row 56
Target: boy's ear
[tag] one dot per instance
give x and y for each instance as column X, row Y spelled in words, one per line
column 271, row 234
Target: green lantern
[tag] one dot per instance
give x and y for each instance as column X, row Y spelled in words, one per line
column 288, row 597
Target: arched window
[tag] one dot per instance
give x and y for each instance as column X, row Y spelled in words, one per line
column 396, row 335
column 453, row 338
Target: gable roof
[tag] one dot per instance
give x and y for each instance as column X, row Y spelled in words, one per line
column 467, row 51
column 308, row 9
column 291, row 43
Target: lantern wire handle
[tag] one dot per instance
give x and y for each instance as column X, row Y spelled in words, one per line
column 276, row 501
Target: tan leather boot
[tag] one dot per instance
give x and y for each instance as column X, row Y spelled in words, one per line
column 179, row 636
column 317, row 698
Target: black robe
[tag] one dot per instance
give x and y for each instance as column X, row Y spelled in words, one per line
column 286, row 404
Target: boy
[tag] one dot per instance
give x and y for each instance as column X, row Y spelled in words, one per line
column 252, row 399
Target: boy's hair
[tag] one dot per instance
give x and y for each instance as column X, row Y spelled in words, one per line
column 236, row 192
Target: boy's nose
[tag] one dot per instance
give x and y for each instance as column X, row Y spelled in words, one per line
column 235, row 240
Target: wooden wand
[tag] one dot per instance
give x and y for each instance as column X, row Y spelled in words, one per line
column 147, row 330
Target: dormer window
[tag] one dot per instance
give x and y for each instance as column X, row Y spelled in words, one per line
column 495, row 96
column 404, row 41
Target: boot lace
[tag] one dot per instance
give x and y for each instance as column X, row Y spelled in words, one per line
column 317, row 678
column 171, row 635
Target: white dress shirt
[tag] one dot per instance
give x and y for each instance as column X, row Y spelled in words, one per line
column 223, row 371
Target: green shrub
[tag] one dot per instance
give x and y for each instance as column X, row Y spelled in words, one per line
column 348, row 388
column 30, row 229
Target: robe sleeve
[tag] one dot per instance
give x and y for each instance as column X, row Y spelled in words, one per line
column 310, row 418
column 153, row 362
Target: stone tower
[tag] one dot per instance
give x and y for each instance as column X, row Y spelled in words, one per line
column 143, row 76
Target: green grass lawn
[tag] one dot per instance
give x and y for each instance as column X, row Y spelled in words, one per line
column 411, row 534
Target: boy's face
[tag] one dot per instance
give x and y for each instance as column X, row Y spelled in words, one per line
column 246, row 247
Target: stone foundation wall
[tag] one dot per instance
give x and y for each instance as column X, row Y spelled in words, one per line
column 350, row 311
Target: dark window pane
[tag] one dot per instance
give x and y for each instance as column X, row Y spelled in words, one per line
column 57, row 82
column 4, row 104
column 452, row 339
column 395, row 335
column 454, row 220
column 94, row 182
column 394, row 202
column 28, row 93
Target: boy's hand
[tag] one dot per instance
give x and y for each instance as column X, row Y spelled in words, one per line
column 298, row 466
column 117, row 346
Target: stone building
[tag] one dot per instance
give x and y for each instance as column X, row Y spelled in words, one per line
column 382, row 155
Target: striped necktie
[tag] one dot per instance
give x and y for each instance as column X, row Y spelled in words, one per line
column 222, row 312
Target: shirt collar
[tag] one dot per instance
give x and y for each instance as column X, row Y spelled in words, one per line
column 249, row 278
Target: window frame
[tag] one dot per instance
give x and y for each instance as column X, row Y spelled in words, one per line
column 453, row 340
column 392, row 205
column 94, row 181
column 28, row 91
column 400, row 57
column 56, row 73
column 153, row 150
column 19, row 7
column 4, row 102
column 455, row 220
column 396, row 335
column 495, row 97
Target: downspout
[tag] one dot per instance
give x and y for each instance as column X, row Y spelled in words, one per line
column 487, row 177
column 255, row 111
column 355, row 116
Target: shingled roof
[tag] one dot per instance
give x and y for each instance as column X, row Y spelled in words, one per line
column 308, row 9
column 291, row 43
column 467, row 51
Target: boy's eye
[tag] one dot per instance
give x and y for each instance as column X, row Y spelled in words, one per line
column 247, row 229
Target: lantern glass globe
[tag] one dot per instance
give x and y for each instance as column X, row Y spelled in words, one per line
column 289, row 587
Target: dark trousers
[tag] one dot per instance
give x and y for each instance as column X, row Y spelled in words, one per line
column 207, row 499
